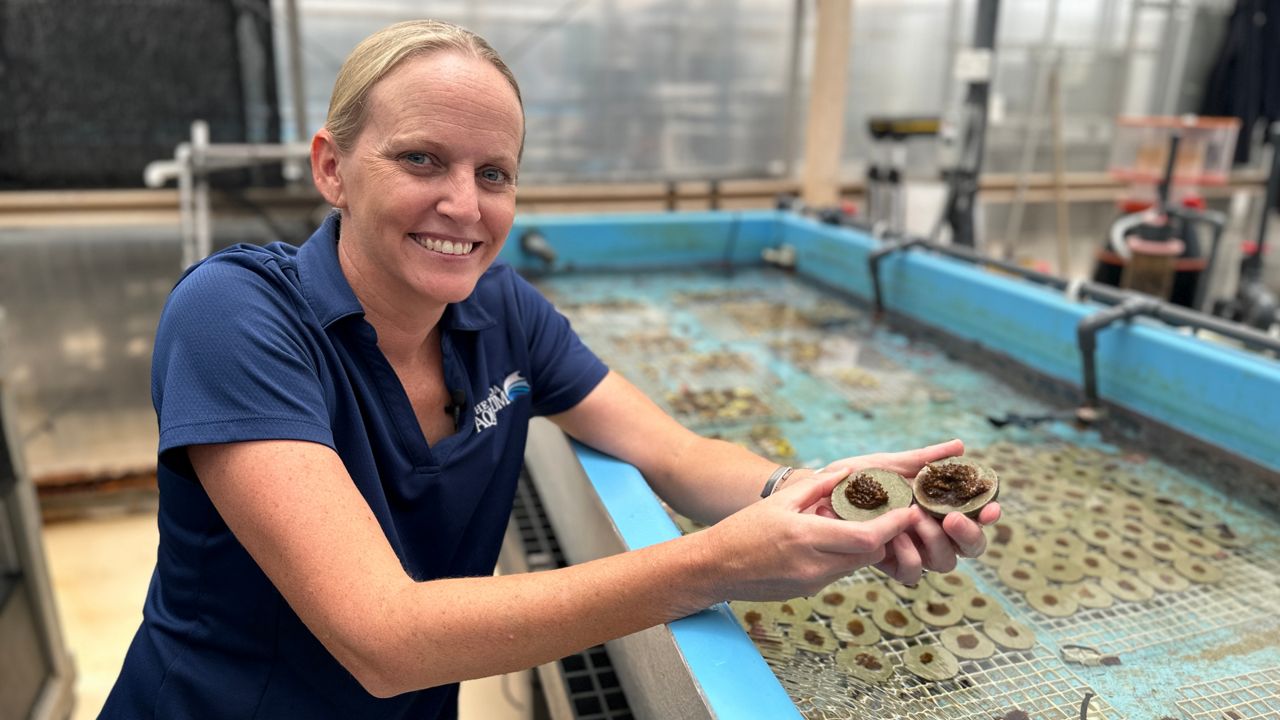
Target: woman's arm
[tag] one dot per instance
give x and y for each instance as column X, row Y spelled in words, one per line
column 708, row 480
column 292, row 505
column 703, row 479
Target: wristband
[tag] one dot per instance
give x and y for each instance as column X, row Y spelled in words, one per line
column 782, row 473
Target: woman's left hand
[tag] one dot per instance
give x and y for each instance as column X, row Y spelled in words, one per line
column 927, row 544
column 932, row 545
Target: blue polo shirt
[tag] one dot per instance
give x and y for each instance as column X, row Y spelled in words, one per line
column 270, row 343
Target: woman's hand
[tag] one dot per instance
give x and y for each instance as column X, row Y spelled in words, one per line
column 927, row 544
column 773, row 550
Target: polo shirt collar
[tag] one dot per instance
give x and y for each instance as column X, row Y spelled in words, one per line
column 323, row 284
column 331, row 296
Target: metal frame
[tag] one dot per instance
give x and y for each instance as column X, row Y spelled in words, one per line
column 20, row 519
column 192, row 164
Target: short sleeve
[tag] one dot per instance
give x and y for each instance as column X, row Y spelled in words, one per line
column 234, row 360
column 563, row 369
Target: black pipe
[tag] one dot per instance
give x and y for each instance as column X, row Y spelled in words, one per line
column 1166, row 184
column 1169, row 313
column 1254, row 303
column 1087, row 337
column 8, row 465
column 1185, row 317
column 962, row 181
column 1251, row 268
column 984, row 30
column 986, row 16
column 968, row 254
column 533, row 243
column 873, row 263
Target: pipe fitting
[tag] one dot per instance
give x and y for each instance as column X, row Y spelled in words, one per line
column 873, row 263
column 533, row 243
column 1087, row 338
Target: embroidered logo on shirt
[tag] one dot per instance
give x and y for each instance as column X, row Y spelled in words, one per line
column 515, row 386
column 486, row 411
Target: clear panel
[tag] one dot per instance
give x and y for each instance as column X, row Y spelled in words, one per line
column 613, row 89
column 82, row 307
column 623, row 90
column 902, row 54
column 900, row 60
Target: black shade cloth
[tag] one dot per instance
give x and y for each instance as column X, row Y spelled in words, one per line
column 1245, row 80
column 93, row 90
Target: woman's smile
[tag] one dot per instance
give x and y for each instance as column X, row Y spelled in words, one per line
column 454, row 247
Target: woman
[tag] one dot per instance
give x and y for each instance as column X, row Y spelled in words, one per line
column 328, row 531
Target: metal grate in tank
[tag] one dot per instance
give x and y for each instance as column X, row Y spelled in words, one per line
column 542, row 550
column 1033, row 681
column 1254, row 695
column 1248, row 594
column 590, row 683
column 593, row 686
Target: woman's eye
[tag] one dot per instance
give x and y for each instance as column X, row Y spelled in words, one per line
column 494, row 175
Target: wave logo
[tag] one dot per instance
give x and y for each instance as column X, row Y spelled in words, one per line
column 499, row 398
column 514, row 386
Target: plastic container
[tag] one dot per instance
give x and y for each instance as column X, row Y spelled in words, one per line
column 1140, row 148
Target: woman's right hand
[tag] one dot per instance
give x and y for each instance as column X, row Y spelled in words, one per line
column 774, row 550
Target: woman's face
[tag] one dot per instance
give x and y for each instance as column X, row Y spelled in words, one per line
column 428, row 191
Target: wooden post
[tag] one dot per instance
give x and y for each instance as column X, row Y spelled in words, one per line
column 824, row 128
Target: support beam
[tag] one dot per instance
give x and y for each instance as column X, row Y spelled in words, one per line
column 824, row 133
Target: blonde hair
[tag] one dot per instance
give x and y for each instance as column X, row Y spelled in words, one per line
column 382, row 51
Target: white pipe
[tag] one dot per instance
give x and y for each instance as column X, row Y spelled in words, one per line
column 158, row 173
column 1120, row 228
column 293, row 167
column 186, row 222
column 204, row 224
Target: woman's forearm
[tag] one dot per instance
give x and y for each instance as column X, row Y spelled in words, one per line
column 708, row 480
column 457, row 629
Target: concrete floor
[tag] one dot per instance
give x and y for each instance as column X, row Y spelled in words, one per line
column 100, row 568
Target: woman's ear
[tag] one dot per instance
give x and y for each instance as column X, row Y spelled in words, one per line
column 325, row 173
